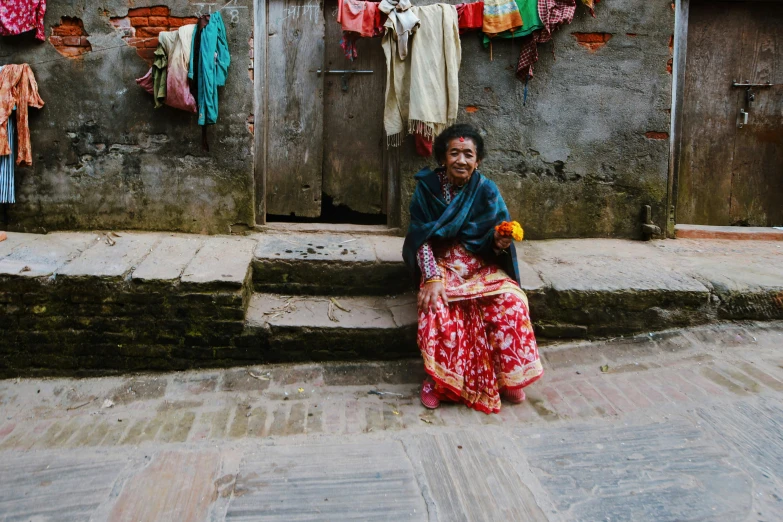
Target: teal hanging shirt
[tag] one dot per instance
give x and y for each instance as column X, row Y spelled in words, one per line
column 212, row 71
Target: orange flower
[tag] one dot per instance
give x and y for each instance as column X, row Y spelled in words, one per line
column 510, row 229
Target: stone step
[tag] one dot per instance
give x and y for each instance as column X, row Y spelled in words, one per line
column 732, row 233
column 330, row 264
column 280, row 328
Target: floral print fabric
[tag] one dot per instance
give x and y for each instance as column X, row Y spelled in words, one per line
column 482, row 342
column 19, row 16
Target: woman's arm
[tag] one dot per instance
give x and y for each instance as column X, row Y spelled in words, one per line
column 433, row 287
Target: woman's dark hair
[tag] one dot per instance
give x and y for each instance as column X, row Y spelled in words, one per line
column 458, row 130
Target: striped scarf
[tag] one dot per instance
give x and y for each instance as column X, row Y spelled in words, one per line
column 500, row 15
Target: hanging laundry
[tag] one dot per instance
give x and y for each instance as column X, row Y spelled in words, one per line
column 530, row 22
column 422, row 92
column 20, row 16
column 177, row 45
column 359, row 19
column 212, row 71
column 553, row 14
column 167, row 79
column 7, row 165
column 470, row 16
column 17, row 88
column 591, row 6
column 159, row 72
column 423, row 145
column 500, row 15
column 403, row 22
column 363, row 18
column 195, row 54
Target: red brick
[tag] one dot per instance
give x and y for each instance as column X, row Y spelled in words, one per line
column 669, row 63
column 471, row 108
column 191, row 20
column 159, row 21
column 67, row 30
column 147, row 54
column 592, row 41
column 655, row 135
column 176, row 22
column 150, row 43
column 56, row 40
column 149, row 31
column 139, row 11
column 73, row 41
column 159, row 11
column 630, row 35
column 84, row 42
column 71, row 52
column 140, row 21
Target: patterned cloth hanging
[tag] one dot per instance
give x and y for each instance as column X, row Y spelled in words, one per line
column 20, row 16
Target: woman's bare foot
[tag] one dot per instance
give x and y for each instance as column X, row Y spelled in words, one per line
column 428, row 397
column 514, row 396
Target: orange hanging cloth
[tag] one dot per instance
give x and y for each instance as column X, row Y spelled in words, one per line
column 17, row 89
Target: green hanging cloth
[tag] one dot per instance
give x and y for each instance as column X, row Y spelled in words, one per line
column 530, row 22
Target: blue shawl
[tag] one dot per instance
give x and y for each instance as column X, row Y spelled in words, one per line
column 470, row 217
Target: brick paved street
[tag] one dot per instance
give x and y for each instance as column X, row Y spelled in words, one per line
column 679, row 425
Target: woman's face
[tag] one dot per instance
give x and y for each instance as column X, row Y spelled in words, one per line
column 461, row 160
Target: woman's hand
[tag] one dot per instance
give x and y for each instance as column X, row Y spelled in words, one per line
column 429, row 295
column 502, row 242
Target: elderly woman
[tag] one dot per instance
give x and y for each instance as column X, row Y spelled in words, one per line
column 474, row 331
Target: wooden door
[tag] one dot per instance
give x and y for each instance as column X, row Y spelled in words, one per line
column 353, row 172
column 732, row 175
column 295, row 51
column 325, row 134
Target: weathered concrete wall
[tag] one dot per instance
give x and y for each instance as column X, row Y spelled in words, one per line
column 590, row 147
column 103, row 156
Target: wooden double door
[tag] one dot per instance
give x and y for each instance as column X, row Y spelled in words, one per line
column 730, row 168
column 325, row 139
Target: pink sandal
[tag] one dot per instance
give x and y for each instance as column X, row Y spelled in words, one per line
column 514, row 396
column 428, row 397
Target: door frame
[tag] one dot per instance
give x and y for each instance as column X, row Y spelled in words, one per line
column 392, row 191
column 679, row 59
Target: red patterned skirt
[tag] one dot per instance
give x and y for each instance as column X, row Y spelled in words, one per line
column 482, row 342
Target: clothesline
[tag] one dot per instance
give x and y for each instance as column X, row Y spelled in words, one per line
column 69, row 58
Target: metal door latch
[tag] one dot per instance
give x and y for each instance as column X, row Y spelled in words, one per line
column 743, row 118
column 344, row 75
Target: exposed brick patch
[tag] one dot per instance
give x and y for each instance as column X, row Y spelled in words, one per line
column 655, row 135
column 251, row 119
column 592, row 41
column 69, row 37
column 251, row 68
column 669, row 64
column 143, row 24
column 630, row 35
column 471, row 108
column 671, row 44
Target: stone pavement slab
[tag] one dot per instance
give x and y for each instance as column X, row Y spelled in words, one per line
column 13, row 240
column 44, row 254
column 222, row 261
column 112, row 261
column 365, row 481
column 168, row 259
column 49, row 486
column 176, row 485
column 645, row 471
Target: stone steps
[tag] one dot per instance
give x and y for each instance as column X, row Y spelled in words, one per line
column 318, row 328
column 84, row 303
column 330, row 264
